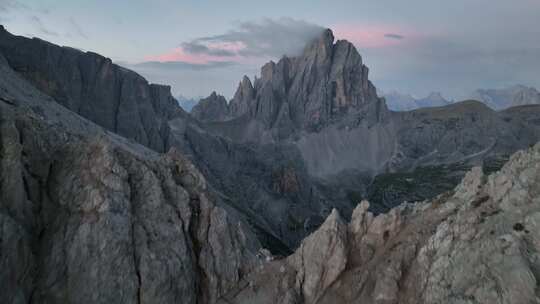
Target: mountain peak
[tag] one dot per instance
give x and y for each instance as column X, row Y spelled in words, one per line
column 327, row 81
column 245, row 80
column 323, row 44
column 211, row 108
column 243, row 97
column 327, row 36
column 436, row 96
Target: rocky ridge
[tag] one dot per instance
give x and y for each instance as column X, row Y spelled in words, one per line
column 92, row 86
column 475, row 244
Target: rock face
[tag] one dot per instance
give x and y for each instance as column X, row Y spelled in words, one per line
column 475, row 244
column 500, row 99
column 211, row 108
column 269, row 184
column 308, row 92
column 93, row 87
column 87, row 216
column 242, row 102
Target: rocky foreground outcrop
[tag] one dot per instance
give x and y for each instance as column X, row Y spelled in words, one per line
column 87, row 216
column 479, row 243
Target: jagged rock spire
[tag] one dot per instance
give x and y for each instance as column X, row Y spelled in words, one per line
column 327, row 80
column 211, row 108
column 243, row 97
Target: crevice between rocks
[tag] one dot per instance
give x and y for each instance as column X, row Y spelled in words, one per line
column 133, row 238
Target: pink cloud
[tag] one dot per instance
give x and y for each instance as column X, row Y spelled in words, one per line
column 179, row 54
column 364, row 36
column 373, row 36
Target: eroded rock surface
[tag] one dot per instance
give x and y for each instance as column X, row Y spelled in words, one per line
column 89, row 217
column 476, row 244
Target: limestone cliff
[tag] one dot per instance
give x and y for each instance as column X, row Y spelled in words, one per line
column 87, row 216
column 92, row 86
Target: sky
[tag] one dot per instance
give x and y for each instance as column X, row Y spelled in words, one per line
column 199, row 46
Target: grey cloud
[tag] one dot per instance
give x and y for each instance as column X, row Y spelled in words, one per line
column 41, row 27
column 265, row 38
column 44, row 10
column 77, row 28
column 453, row 65
column 394, row 36
column 7, row 6
column 195, row 47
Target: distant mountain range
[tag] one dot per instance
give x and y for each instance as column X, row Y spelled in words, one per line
column 500, row 99
column 405, row 102
column 187, row 103
column 497, row 99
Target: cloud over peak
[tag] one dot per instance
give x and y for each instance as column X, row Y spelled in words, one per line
column 264, row 39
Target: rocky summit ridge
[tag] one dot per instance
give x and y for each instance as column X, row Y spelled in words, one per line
column 326, row 81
